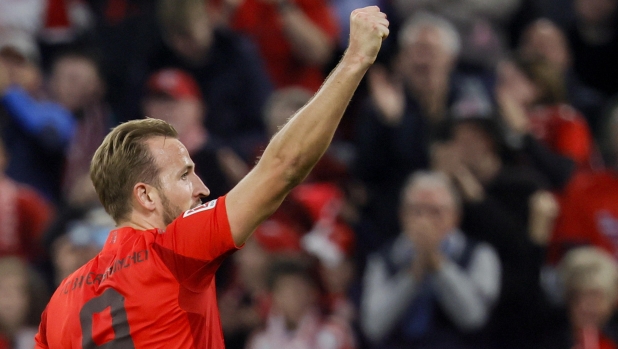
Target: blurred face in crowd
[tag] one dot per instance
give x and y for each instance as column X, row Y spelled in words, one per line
column 425, row 61
column 432, row 204
column 590, row 307
column 21, row 71
column 596, row 12
column 75, row 82
column 338, row 278
column 68, row 257
column 183, row 114
column 252, row 262
column 293, row 295
column 193, row 43
column 544, row 39
column 13, row 300
column 516, row 83
column 478, row 151
column 179, row 188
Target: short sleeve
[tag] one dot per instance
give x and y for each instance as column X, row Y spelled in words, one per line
column 40, row 338
column 194, row 245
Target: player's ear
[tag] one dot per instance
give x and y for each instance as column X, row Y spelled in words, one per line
column 145, row 196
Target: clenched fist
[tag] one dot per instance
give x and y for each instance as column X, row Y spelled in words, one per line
column 368, row 27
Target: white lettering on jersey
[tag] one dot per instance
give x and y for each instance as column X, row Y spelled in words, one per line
column 203, row 207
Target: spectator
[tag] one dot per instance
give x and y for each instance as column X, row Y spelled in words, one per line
column 174, row 96
column 405, row 112
column 295, row 320
column 24, row 216
column 532, row 99
column 544, row 39
column 588, row 212
column 226, row 67
column 77, row 84
column 83, row 239
column 22, row 299
column 36, row 133
column 432, row 286
column 590, row 279
column 594, row 40
column 481, row 25
column 499, row 207
column 245, row 303
column 332, row 241
column 296, row 38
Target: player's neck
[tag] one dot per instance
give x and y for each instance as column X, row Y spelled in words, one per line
column 139, row 222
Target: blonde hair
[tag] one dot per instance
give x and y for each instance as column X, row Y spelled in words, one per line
column 123, row 160
column 589, row 268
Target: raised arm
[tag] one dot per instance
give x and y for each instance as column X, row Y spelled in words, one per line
column 296, row 148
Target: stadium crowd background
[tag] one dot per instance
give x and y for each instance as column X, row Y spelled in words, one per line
column 504, row 111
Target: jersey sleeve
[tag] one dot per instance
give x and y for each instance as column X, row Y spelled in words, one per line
column 40, row 338
column 194, row 245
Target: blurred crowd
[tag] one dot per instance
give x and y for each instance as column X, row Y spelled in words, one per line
column 469, row 198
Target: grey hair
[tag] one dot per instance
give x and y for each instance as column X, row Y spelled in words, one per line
column 431, row 180
column 589, row 267
column 415, row 23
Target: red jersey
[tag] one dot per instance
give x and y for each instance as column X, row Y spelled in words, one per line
column 588, row 214
column 565, row 131
column 145, row 289
column 262, row 22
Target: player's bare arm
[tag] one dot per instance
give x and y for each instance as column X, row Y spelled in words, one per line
column 296, row 148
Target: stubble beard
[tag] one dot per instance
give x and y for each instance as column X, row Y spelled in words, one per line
column 170, row 211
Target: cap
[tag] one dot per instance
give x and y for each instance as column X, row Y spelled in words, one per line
column 21, row 44
column 174, row 83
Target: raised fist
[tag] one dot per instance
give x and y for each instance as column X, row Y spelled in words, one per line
column 368, row 27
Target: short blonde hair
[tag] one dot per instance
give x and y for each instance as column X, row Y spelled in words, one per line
column 123, row 160
column 589, row 268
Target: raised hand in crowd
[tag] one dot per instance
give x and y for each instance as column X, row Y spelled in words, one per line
column 387, row 94
column 544, row 209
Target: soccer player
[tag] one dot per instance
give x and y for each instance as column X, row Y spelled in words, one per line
column 152, row 285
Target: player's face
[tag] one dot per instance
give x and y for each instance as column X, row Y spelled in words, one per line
column 180, row 187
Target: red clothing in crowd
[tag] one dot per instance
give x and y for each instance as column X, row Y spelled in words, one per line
column 24, row 215
column 588, row 214
column 146, row 289
column 565, row 131
column 262, row 22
